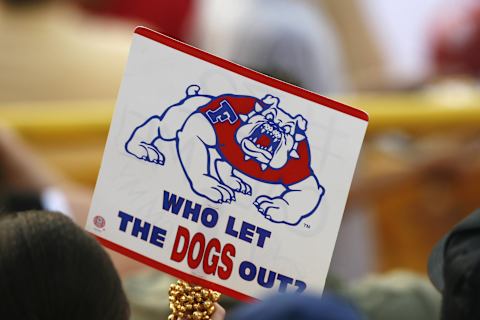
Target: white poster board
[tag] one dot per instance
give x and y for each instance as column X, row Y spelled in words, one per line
column 222, row 176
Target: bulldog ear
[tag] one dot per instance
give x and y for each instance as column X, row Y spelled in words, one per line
column 271, row 101
column 301, row 123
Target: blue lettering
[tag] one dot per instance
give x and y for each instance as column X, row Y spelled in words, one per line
column 262, row 235
column 301, row 286
column 247, row 271
column 126, row 218
column 269, row 278
column 145, row 230
column 223, row 113
column 261, row 278
column 189, row 211
column 212, row 221
column 139, row 229
column 158, row 236
column 247, row 232
column 230, row 224
column 171, row 203
column 284, row 282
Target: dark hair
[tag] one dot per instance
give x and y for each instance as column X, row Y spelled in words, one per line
column 51, row 269
column 462, row 276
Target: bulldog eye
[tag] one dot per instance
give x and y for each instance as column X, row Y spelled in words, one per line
column 286, row 129
column 269, row 116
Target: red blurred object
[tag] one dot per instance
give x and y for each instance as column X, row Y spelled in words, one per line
column 456, row 42
column 166, row 16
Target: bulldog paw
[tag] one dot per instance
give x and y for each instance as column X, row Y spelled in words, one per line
column 273, row 209
column 146, row 152
column 237, row 185
column 215, row 191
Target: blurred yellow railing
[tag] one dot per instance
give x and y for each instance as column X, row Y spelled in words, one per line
column 71, row 134
column 403, row 111
column 419, row 112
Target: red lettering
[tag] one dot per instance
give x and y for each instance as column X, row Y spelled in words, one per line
column 197, row 250
column 224, row 273
column 182, row 233
column 210, row 268
column 194, row 262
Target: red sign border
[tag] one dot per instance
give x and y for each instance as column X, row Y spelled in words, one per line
column 228, row 65
column 172, row 271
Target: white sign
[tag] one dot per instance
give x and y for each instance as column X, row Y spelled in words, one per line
column 222, row 176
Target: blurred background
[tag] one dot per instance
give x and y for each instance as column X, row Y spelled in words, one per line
column 414, row 66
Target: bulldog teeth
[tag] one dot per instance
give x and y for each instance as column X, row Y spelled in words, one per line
column 247, row 158
column 270, row 148
column 263, row 166
column 254, row 140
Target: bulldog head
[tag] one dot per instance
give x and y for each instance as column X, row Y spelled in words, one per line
column 269, row 135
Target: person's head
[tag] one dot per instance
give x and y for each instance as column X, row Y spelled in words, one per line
column 454, row 268
column 297, row 306
column 51, row 269
column 462, row 277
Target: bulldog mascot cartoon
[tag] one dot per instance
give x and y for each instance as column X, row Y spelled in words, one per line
column 252, row 137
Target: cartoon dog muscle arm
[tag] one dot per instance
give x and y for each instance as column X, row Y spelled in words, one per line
column 254, row 137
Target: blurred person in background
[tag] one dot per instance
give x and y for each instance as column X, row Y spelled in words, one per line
column 168, row 17
column 49, row 51
column 295, row 306
column 456, row 41
column 286, row 39
column 454, row 269
column 395, row 295
column 29, row 183
column 51, row 269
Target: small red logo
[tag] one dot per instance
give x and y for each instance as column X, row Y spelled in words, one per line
column 99, row 222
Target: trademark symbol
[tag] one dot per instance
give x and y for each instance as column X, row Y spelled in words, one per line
column 306, row 225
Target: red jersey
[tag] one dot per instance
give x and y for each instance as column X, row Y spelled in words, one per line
column 225, row 121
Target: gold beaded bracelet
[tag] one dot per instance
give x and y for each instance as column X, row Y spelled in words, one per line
column 191, row 302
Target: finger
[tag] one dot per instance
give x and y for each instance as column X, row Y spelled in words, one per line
column 219, row 313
